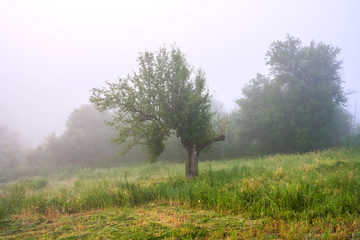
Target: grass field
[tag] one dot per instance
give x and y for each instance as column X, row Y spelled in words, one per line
column 308, row 196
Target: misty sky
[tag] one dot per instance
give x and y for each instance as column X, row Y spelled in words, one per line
column 52, row 52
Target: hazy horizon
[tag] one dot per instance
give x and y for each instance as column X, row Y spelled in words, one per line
column 52, row 53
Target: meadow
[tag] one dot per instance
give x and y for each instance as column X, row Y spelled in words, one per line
column 301, row 196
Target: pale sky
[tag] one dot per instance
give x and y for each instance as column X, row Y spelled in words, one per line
column 52, row 52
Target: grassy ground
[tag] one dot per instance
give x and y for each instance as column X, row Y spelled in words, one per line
column 310, row 196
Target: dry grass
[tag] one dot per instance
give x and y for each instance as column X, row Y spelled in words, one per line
column 164, row 221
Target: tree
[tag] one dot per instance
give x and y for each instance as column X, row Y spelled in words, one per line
column 85, row 142
column 86, row 138
column 163, row 97
column 293, row 110
column 11, row 148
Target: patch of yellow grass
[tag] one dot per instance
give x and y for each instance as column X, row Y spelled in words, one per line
column 164, row 216
column 69, row 182
column 251, row 183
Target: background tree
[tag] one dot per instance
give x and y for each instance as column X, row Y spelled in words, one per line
column 294, row 109
column 86, row 138
column 85, row 142
column 163, row 97
column 12, row 148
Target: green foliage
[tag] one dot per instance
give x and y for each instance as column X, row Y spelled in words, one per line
column 222, row 123
column 31, row 184
column 155, row 146
column 163, row 97
column 298, row 108
column 352, row 140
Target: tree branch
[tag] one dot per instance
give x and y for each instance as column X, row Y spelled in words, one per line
column 207, row 143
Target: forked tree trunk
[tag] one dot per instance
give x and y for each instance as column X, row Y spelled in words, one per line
column 191, row 166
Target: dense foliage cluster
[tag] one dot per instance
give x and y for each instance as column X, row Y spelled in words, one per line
column 12, row 148
column 299, row 106
column 85, row 142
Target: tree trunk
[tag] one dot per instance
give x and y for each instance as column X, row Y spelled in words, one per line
column 191, row 166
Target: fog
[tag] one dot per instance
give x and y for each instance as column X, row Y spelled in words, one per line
column 53, row 52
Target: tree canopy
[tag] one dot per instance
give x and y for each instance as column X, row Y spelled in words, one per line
column 85, row 142
column 164, row 96
column 11, row 148
column 296, row 107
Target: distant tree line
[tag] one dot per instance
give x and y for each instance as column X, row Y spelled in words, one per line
column 86, row 142
column 12, row 148
column 166, row 110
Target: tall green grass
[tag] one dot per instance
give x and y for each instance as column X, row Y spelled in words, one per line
column 320, row 185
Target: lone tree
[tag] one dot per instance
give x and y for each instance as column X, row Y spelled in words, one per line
column 165, row 96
